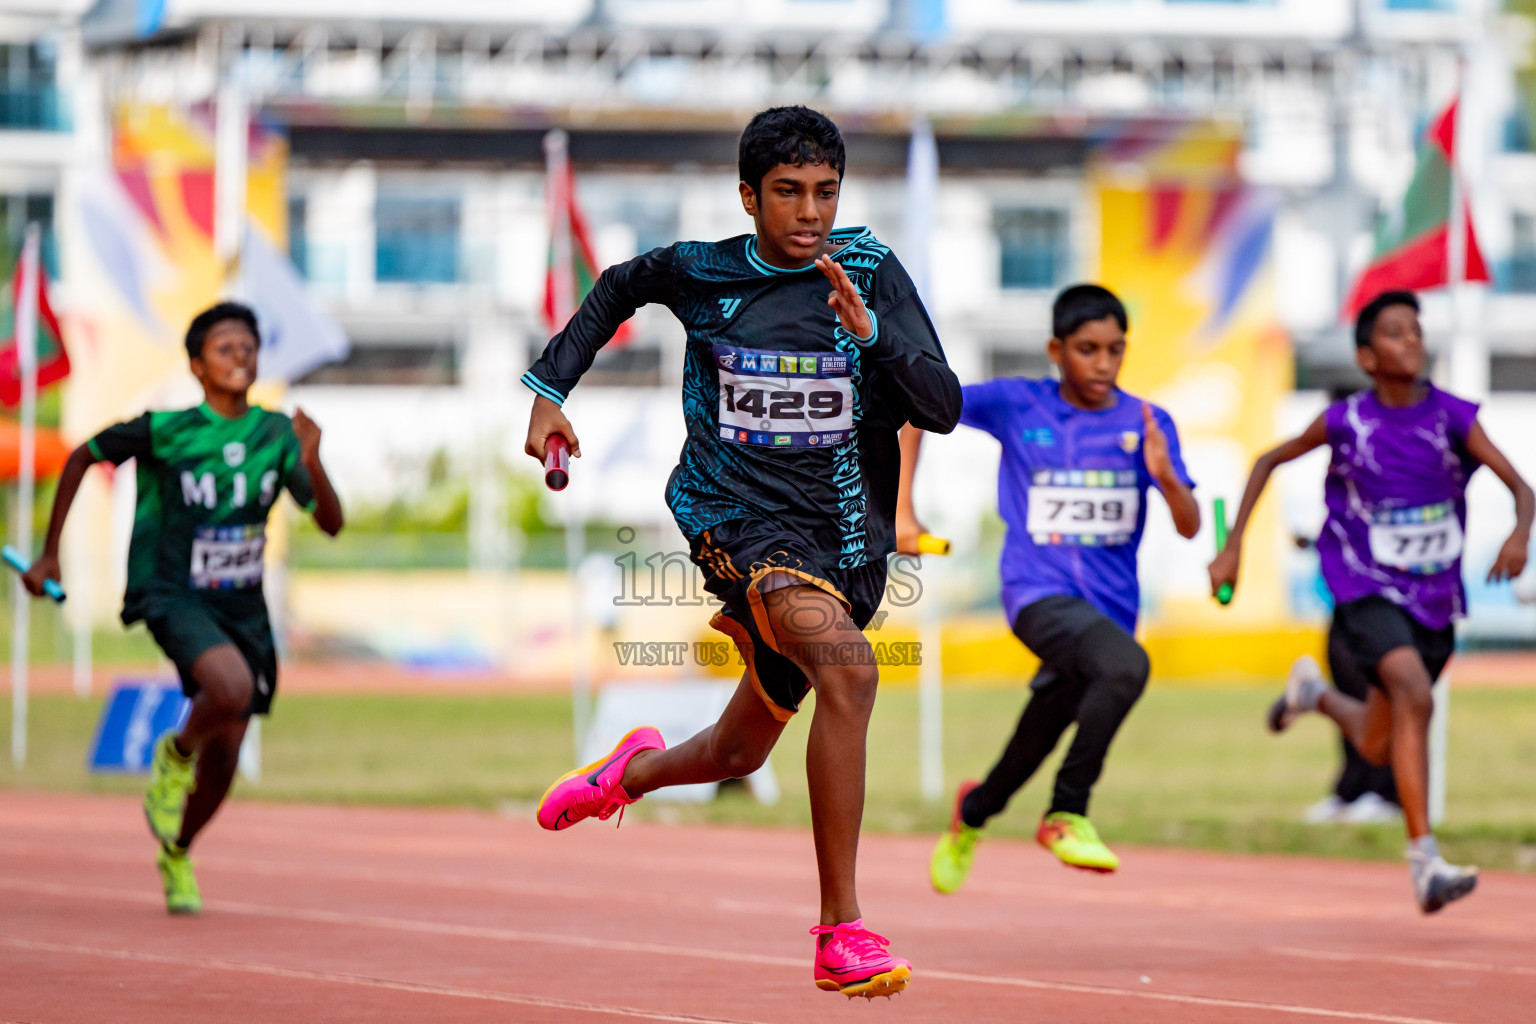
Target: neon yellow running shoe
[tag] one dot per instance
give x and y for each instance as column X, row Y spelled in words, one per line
column 171, row 778
column 951, row 863
column 181, row 894
column 1073, row 839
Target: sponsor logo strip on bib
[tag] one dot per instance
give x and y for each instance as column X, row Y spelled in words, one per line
column 784, row 399
column 1085, row 507
column 1421, row 540
column 227, row 557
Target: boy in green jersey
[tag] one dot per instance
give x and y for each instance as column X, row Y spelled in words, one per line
column 207, row 480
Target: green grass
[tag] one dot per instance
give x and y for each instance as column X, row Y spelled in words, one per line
column 1192, row 767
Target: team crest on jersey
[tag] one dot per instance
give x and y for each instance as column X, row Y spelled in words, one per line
column 234, row 453
column 1129, row 441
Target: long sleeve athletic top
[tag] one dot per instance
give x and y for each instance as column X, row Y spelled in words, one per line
column 790, row 418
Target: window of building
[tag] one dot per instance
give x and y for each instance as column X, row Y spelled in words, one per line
column 1033, row 245
column 416, row 238
column 1512, row 373
column 1518, row 273
column 16, row 212
column 298, row 233
column 1016, row 362
column 29, row 95
column 415, row 364
column 636, row 365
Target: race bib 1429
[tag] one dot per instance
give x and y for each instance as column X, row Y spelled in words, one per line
column 1084, row 507
column 1418, row 540
column 227, row 556
column 784, row 399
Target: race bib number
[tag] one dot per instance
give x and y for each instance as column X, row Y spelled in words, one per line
column 1084, row 507
column 1418, row 540
column 784, row 399
column 227, row 556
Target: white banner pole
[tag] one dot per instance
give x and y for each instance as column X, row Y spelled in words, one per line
column 26, row 349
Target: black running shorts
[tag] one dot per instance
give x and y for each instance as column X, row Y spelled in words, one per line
column 741, row 559
column 1373, row 626
column 187, row 626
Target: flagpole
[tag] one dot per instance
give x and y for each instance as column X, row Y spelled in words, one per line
column 557, row 191
column 26, row 350
column 1468, row 374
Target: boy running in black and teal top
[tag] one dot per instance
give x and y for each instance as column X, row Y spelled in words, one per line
column 785, row 488
column 207, row 480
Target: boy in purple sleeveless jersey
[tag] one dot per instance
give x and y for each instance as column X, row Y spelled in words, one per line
column 1390, row 549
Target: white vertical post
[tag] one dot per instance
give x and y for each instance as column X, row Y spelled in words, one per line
column 26, row 350
column 581, row 662
column 930, row 685
column 230, row 160
column 922, row 197
column 557, row 194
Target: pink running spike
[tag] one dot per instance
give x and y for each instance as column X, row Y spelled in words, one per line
column 594, row 791
column 854, row 961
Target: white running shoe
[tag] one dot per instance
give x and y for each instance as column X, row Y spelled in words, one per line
column 1371, row 809
column 1326, row 811
column 1302, row 688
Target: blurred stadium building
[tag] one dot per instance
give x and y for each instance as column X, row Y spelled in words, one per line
column 414, row 196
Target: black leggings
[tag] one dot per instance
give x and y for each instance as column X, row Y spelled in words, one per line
column 1092, row 672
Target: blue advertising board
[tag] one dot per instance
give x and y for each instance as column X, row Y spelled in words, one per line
column 136, row 714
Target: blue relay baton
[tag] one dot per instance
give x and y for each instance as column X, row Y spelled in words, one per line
column 16, row 560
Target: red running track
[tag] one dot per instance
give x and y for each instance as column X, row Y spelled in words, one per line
column 351, row 914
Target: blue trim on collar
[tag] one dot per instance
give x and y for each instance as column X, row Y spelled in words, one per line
column 852, row 235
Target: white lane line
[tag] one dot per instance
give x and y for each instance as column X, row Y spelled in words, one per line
column 688, row 952
column 278, row 869
column 1429, row 963
column 339, row 978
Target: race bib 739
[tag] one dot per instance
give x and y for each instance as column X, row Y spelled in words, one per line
column 784, row 399
column 1083, row 507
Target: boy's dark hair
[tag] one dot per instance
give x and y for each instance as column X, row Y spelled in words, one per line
column 788, row 135
column 1365, row 322
column 197, row 333
column 1082, row 303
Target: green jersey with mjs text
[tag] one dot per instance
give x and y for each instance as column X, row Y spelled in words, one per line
column 206, row 485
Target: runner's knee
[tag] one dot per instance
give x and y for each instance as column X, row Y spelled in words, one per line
column 737, row 759
column 847, row 688
column 1114, row 662
column 224, row 681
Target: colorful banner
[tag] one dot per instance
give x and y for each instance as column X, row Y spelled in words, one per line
column 1186, row 245
column 139, row 257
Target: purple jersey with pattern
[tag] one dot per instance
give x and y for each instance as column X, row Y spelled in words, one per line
column 1397, row 503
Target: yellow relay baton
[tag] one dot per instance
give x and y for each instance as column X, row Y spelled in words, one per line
column 928, row 544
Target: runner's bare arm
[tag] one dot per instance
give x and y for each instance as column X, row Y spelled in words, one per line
column 1224, row 568
column 46, row 566
column 908, row 527
column 1180, row 498
column 1511, row 558
column 327, row 514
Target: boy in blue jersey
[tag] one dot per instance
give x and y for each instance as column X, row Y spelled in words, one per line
column 785, row 489
column 1078, row 459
